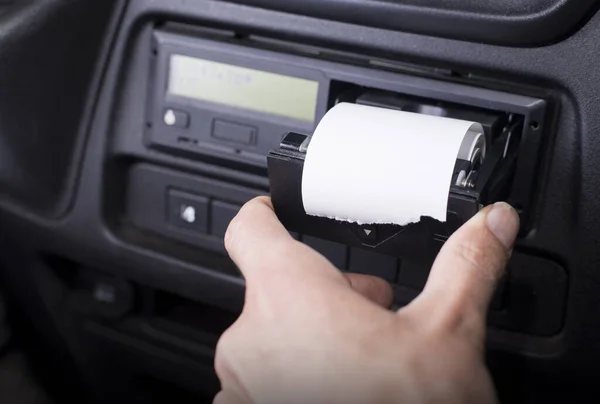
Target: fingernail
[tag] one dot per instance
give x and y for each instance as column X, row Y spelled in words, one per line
column 503, row 222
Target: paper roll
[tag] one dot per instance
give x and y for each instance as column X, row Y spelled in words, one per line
column 372, row 165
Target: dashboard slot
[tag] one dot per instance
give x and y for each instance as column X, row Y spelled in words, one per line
column 187, row 119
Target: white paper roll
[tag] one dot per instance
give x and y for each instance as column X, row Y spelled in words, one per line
column 373, row 165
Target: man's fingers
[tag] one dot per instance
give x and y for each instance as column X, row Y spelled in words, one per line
column 255, row 235
column 264, row 251
column 254, row 226
column 465, row 274
column 258, row 244
column 375, row 289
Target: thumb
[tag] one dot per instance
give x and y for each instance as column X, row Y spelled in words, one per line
column 465, row 274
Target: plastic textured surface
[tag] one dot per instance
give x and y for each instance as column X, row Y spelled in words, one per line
column 46, row 72
column 513, row 22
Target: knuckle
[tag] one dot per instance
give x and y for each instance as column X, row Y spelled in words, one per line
column 237, row 222
column 225, row 349
column 464, row 323
column 483, row 261
column 224, row 344
column 472, row 253
column 456, row 320
column 221, row 364
column 232, row 235
column 235, row 229
column 481, row 255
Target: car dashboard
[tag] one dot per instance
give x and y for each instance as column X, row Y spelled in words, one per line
column 126, row 149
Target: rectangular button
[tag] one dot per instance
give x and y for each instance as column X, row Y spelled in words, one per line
column 233, row 132
column 414, row 273
column 222, row 213
column 188, row 211
column 334, row 252
column 370, row 263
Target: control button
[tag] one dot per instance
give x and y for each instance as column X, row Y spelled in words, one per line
column 370, row 263
column 105, row 293
column 112, row 298
column 534, row 297
column 177, row 119
column 373, row 235
column 334, row 252
column 414, row 273
column 188, row 214
column 103, row 296
column 368, row 233
column 188, row 211
column 222, row 214
column 233, row 132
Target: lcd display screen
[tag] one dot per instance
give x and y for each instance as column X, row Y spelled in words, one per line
column 242, row 87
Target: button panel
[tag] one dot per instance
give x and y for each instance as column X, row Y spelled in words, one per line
column 530, row 300
column 233, row 132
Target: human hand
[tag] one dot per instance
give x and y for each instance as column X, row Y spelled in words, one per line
column 309, row 334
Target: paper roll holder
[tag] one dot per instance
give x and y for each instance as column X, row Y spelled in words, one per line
column 482, row 175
